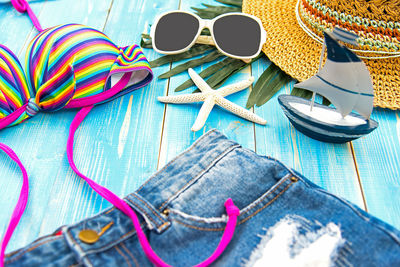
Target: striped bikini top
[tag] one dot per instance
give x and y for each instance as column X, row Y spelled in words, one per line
column 67, row 66
column 74, row 66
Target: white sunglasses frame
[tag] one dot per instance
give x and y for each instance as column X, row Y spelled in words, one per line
column 207, row 23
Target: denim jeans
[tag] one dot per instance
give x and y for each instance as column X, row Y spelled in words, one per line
column 285, row 220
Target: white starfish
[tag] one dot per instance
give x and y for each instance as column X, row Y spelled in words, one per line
column 212, row 97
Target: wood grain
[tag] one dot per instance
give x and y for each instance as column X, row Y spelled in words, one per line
column 112, row 146
column 378, row 156
column 180, row 118
column 123, row 142
column 330, row 166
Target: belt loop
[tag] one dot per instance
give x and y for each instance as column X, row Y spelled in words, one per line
column 154, row 219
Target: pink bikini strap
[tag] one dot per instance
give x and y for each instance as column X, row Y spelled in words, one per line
column 21, row 204
column 231, row 209
column 23, row 6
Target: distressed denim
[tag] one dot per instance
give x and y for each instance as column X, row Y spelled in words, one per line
column 285, row 220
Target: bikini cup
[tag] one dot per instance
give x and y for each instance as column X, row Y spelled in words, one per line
column 68, row 66
column 74, row 66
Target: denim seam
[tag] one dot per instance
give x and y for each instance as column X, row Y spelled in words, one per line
column 130, row 254
column 266, row 205
column 242, row 212
column 195, row 144
column 199, row 228
column 28, row 249
column 221, row 219
column 200, row 174
column 150, row 208
column 123, row 256
column 144, row 212
column 82, row 254
column 162, row 226
column 36, row 241
column 267, row 194
column 96, row 216
column 241, row 221
column 110, row 244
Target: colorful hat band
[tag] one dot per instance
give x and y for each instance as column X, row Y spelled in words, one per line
column 67, row 66
column 376, row 36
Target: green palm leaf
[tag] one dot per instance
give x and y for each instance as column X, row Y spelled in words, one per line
column 206, row 73
column 261, row 83
column 228, row 71
column 303, row 93
column 191, row 64
column 192, row 52
column 145, row 42
column 268, row 84
column 274, row 86
column 211, row 12
column 237, row 3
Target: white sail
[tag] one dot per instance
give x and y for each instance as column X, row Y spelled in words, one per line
column 365, row 102
column 344, row 80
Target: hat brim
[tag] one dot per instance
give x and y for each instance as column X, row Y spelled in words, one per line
column 297, row 54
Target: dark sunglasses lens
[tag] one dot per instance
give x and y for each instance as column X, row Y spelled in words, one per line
column 237, row 35
column 175, row 31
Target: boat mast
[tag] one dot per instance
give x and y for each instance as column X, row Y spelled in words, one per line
column 319, row 68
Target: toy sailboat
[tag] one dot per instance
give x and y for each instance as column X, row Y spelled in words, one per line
column 345, row 82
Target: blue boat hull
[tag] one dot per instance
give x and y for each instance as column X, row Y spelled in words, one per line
column 319, row 130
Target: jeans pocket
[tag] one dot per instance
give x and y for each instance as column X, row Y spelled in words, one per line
column 217, row 223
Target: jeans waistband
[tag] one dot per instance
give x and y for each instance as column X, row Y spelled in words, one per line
column 180, row 181
column 154, row 195
column 178, row 175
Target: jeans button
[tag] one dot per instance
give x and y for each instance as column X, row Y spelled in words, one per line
column 88, row 236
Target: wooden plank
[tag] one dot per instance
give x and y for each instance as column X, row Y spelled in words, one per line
column 15, row 27
column 330, row 166
column 128, row 130
column 119, row 143
column 378, row 157
column 180, row 118
column 43, row 152
column 112, row 145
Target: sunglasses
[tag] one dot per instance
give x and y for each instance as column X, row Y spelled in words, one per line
column 236, row 35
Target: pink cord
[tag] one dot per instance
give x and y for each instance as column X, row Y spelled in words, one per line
column 21, row 204
column 231, row 209
column 6, row 121
column 23, row 6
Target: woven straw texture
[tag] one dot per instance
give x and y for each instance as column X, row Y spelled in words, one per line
column 291, row 48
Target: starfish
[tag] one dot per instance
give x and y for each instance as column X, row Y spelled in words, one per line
column 212, row 97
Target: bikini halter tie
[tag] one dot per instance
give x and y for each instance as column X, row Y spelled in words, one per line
column 22, row 6
column 74, row 66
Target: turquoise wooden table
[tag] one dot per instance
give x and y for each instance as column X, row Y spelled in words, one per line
column 123, row 142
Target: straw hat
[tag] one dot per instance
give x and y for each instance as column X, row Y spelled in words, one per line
column 294, row 37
